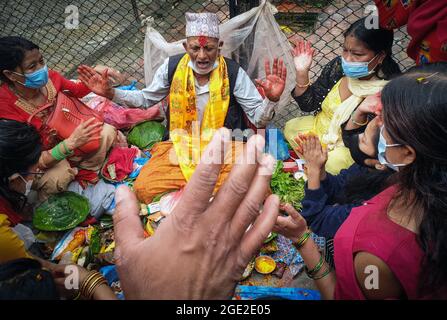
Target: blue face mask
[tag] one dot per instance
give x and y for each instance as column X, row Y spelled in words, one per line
column 381, row 148
column 356, row 69
column 36, row 79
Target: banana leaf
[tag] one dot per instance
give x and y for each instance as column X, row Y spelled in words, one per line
column 62, row 211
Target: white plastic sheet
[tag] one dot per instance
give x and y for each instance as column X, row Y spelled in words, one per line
column 249, row 39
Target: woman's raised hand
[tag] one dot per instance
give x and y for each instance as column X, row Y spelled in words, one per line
column 303, row 54
column 98, row 83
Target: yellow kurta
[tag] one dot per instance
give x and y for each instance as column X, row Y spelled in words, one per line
column 11, row 246
column 339, row 158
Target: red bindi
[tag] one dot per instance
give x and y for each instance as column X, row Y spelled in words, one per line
column 203, row 41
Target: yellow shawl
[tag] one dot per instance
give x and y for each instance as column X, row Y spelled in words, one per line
column 188, row 138
column 360, row 90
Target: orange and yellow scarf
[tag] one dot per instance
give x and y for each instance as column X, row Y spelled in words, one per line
column 188, row 138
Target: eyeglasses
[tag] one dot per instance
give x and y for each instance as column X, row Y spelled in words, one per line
column 39, row 174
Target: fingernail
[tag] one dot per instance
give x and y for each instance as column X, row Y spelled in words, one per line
column 276, row 199
column 268, row 165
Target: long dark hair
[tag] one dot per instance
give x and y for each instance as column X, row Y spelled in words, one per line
column 12, row 53
column 377, row 40
column 20, row 148
column 24, row 279
column 365, row 186
column 415, row 114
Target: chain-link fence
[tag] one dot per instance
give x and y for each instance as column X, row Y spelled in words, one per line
column 323, row 22
column 110, row 31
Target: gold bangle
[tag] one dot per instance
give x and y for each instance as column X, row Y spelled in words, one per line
column 89, row 282
column 303, row 86
column 97, row 281
column 86, row 281
column 356, row 123
column 95, row 286
column 92, row 286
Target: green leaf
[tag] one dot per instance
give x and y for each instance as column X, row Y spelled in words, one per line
column 95, row 242
column 62, row 211
column 146, row 134
column 287, row 187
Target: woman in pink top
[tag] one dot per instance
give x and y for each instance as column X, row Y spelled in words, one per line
column 395, row 245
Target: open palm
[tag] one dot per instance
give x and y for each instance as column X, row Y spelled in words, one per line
column 303, row 54
column 275, row 80
column 97, row 83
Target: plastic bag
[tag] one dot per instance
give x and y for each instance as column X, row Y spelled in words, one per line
column 26, row 234
column 249, row 39
column 275, row 144
column 111, row 275
column 71, row 241
column 131, row 87
column 138, row 164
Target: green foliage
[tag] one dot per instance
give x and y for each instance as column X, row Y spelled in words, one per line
column 61, row 211
column 146, row 134
column 287, row 187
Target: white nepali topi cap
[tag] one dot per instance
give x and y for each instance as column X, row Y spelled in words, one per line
column 202, row 24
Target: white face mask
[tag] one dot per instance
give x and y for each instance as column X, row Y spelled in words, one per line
column 28, row 183
column 193, row 66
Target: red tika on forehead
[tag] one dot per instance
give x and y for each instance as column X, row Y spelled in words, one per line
column 203, row 41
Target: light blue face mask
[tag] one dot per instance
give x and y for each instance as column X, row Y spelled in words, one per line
column 36, row 79
column 381, row 148
column 356, row 69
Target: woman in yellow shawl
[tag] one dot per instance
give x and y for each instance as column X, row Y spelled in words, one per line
column 362, row 70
